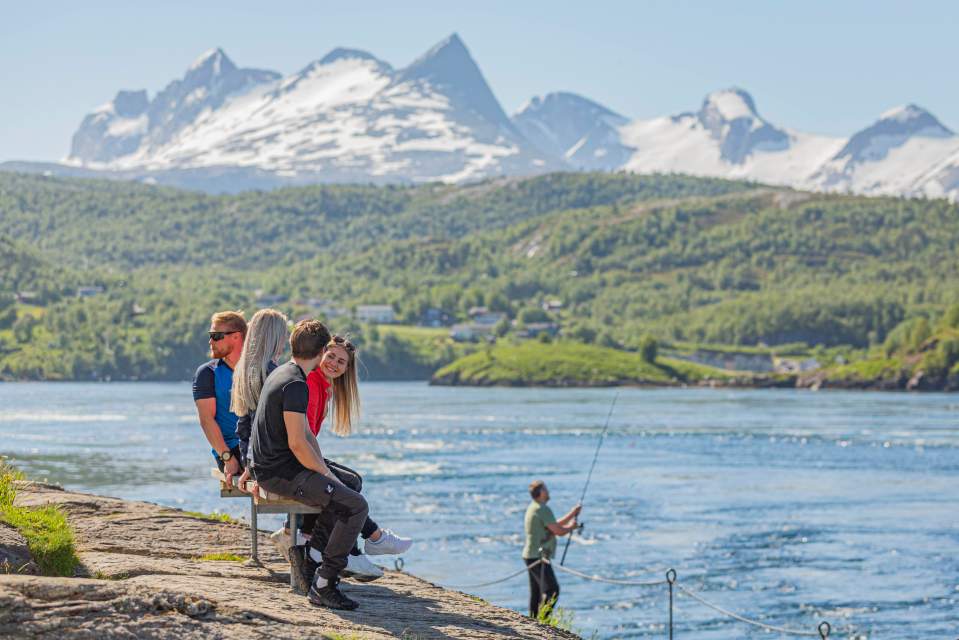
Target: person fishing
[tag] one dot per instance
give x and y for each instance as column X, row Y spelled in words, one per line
column 542, row 528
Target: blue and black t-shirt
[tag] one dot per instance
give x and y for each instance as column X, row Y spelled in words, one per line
column 214, row 379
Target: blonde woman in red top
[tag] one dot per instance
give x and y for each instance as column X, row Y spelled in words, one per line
column 334, row 382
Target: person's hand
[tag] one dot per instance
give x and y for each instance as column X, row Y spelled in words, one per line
column 230, row 469
column 577, row 509
column 241, row 483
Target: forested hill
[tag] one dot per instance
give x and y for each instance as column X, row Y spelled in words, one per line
column 678, row 258
column 122, row 224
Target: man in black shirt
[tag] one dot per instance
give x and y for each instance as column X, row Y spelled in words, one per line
column 286, row 459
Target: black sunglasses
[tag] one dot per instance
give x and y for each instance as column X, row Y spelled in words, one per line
column 216, row 336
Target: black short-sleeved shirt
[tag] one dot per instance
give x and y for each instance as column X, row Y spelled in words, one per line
column 284, row 390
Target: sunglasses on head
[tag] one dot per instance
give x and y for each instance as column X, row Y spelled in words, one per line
column 340, row 341
column 216, row 336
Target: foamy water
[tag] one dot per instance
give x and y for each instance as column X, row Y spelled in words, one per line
column 789, row 506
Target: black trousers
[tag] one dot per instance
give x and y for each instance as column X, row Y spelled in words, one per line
column 542, row 585
column 343, row 508
column 354, row 481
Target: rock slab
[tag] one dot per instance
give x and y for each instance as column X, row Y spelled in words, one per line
column 143, row 577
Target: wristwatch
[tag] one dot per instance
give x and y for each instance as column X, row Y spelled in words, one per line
column 225, row 456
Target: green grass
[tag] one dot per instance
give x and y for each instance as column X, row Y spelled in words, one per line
column 694, row 372
column 46, row 530
column 553, row 616
column 411, row 332
column 792, row 349
column 30, row 310
column 213, row 517
column 868, row 369
column 569, row 363
column 228, row 557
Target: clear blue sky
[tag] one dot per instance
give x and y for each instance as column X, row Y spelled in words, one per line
column 828, row 67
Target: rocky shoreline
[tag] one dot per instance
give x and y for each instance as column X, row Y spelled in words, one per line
column 143, row 575
column 813, row 381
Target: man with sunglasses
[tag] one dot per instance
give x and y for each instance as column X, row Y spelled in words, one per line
column 212, row 384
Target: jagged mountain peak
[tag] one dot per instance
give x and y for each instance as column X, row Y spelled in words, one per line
column 729, row 104
column 564, row 100
column 344, row 53
column 449, row 67
column 915, row 118
column 451, row 47
column 732, row 120
column 893, row 129
column 447, row 63
column 212, row 62
column 582, row 132
column 130, row 104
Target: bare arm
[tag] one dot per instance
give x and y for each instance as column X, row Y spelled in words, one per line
column 302, row 443
column 560, row 530
column 571, row 516
column 206, row 410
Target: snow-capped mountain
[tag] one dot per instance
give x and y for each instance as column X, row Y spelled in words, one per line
column 351, row 117
column 345, row 117
column 907, row 151
column 726, row 138
column 582, row 132
column 131, row 122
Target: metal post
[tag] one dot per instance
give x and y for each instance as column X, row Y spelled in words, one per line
column 254, row 529
column 294, row 527
column 670, row 579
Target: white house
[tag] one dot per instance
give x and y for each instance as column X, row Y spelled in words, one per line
column 376, row 313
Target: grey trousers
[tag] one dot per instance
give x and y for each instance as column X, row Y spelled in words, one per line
column 348, row 508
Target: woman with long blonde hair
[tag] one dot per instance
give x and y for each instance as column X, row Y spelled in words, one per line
column 266, row 338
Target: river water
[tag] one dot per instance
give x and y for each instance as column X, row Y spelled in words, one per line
column 789, row 506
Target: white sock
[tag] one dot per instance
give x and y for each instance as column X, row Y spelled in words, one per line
column 316, row 555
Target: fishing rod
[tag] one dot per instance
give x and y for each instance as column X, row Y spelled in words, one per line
column 589, row 476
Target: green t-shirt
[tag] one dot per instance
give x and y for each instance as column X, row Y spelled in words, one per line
column 537, row 535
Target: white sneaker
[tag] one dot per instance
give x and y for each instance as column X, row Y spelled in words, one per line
column 281, row 538
column 389, row 543
column 360, row 568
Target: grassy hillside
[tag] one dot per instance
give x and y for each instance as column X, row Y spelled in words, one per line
column 569, row 364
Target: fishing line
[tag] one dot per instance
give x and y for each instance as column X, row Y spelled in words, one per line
column 589, row 476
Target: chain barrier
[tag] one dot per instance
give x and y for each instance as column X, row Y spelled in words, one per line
column 768, row 627
column 491, row 582
column 596, row 578
column 822, row 631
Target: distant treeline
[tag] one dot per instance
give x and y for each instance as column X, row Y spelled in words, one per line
column 618, row 257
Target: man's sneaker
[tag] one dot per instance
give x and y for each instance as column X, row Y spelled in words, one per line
column 302, row 569
column 329, row 595
column 281, row 538
column 360, row 568
column 388, row 543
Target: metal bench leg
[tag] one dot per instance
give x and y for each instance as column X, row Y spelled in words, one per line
column 294, row 527
column 254, row 532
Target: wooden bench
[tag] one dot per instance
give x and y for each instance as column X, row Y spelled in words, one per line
column 263, row 502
